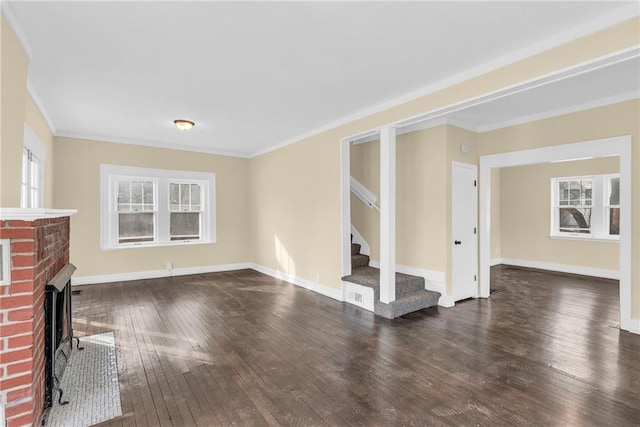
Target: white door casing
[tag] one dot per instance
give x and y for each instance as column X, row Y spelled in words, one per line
column 464, row 226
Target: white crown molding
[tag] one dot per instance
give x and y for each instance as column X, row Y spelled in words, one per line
column 555, row 76
column 592, row 26
column 31, row 90
column 435, row 123
column 560, row 111
column 414, row 127
column 17, row 29
column 574, row 33
column 98, row 138
column 538, row 81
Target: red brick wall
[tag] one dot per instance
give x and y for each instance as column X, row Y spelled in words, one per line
column 39, row 249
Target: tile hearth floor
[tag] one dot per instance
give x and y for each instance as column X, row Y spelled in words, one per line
column 90, row 384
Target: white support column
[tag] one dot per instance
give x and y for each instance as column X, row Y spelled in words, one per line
column 345, row 153
column 387, row 215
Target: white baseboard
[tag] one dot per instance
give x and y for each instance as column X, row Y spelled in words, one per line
column 155, row 274
column 563, row 268
column 334, row 293
column 446, row 301
column 495, row 261
column 634, row 326
column 357, row 238
column 433, row 280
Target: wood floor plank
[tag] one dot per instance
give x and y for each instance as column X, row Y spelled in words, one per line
column 241, row 349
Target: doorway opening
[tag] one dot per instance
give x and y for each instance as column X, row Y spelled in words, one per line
column 616, row 146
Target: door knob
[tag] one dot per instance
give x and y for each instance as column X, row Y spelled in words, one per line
column 457, row 242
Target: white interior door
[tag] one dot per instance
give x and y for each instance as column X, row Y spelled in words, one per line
column 464, row 242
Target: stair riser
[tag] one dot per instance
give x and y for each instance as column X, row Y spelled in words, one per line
column 412, row 303
column 355, row 249
column 404, row 283
column 359, row 260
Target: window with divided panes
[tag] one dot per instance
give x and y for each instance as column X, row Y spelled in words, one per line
column 586, row 207
column 147, row 207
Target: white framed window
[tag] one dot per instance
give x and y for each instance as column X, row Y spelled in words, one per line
column 33, row 156
column 156, row 207
column 5, row 264
column 586, row 207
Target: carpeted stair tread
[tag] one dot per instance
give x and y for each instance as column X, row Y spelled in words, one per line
column 359, row 261
column 355, row 248
column 410, row 292
column 370, row 277
column 407, row 303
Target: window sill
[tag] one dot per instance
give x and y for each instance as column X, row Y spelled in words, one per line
column 584, row 239
column 159, row 245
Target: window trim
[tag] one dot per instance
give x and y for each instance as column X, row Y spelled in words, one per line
column 114, row 220
column 162, row 178
column 33, row 145
column 599, row 208
column 5, row 248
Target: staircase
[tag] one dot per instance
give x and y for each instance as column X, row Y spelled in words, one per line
column 410, row 292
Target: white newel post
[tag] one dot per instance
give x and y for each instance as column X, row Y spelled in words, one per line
column 387, row 215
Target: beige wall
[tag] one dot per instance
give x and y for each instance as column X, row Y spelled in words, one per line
column 365, row 167
column 525, row 211
column 421, row 196
column 77, row 178
column 277, row 176
column 13, row 82
column 294, row 192
column 295, row 205
column 603, row 122
column 35, row 120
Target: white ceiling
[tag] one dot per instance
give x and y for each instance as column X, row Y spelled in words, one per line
column 256, row 75
column 614, row 83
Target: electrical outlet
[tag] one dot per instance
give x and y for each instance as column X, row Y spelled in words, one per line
column 318, row 278
column 169, row 266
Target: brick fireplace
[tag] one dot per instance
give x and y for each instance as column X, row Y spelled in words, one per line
column 35, row 245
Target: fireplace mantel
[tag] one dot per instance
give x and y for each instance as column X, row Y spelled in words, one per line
column 33, row 214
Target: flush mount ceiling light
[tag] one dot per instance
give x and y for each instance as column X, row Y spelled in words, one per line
column 183, row 124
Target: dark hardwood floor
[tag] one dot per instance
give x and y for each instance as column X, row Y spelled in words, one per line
column 242, row 348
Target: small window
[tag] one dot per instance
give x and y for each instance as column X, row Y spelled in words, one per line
column 185, row 210
column 136, row 211
column 33, row 156
column 147, row 207
column 586, row 207
column 575, row 204
column 613, row 206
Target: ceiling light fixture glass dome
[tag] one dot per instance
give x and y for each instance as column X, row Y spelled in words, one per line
column 184, row 124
